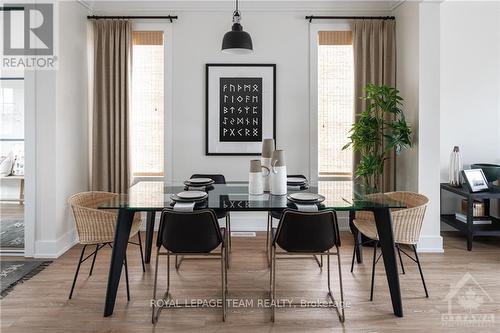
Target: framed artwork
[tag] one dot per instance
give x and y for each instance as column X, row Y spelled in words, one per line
column 240, row 108
column 476, row 180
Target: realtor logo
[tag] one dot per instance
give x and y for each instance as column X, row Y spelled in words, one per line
column 29, row 31
column 465, row 300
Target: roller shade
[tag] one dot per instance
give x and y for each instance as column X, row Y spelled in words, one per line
column 335, row 37
column 147, row 37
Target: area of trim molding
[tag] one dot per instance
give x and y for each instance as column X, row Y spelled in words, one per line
column 339, row 7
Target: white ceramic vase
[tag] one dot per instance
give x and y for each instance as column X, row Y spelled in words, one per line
column 456, row 167
column 278, row 173
column 266, row 162
column 278, row 181
column 268, row 146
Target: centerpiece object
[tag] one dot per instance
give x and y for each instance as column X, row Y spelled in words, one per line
column 278, row 173
column 265, row 159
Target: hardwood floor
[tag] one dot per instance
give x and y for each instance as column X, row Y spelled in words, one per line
column 11, row 210
column 41, row 304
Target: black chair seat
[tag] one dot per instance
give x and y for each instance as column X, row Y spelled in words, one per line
column 221, row 214
column 276, row 214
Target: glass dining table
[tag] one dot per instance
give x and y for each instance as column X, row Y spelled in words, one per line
column 151, row 197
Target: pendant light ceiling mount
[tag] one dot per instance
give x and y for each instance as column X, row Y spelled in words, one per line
column 237, row 41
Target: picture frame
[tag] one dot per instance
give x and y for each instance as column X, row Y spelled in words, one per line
column 475, row 180
column 240, row 108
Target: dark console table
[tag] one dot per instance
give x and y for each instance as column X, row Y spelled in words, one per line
column 469, row 229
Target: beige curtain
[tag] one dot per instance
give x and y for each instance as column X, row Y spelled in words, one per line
column 374, row 44
column 110, row 138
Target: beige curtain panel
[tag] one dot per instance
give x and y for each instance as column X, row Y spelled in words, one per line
column 110, row 138
column 374, row 46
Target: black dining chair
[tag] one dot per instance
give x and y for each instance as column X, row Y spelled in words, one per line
column 306, row 233
column 194, row 233
column 221, row 214
column 276, row 214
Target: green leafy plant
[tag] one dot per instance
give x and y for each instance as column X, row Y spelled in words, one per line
column 379, row 130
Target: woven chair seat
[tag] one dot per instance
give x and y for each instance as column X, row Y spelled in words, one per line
column 406, row 222
column 93, row 225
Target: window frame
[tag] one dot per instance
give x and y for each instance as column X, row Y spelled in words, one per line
column 166, row 28
column 314, row 28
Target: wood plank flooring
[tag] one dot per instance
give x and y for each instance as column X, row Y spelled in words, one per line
column 41, row 304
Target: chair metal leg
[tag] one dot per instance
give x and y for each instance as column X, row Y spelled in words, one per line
column 93, row 259
column 354, row 255
column 178, row 262
column 228, row 227
column 330, row 294
column 223, row 266
column 268, row 238
column 168, row 273
column 341, row 317
column 154, row 319
column 227, row 264
column 373, row 268
column 319, row 261
column 126, row 277
column 142, row 254
column 77, row 270
column 228, row 239
column 400, row 259
column 273, row 275
column 420, row 270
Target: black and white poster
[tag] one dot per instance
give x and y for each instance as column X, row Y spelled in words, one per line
column 240, row 108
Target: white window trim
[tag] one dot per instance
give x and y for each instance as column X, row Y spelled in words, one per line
column 143, row 25
column 314, row 28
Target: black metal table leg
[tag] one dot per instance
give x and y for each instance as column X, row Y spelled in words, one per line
column 383, row 221
column 470, row 222
column 122, row 234
column 150, row 227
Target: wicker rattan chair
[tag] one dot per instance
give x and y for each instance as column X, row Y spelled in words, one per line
column 406, row 224
column 97, row 227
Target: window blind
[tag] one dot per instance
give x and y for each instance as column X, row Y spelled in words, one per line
column 335, row 37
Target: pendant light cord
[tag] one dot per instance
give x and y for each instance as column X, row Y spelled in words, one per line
column 236, row 5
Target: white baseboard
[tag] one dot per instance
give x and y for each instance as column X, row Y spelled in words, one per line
column 52, row 249
column 430, row 244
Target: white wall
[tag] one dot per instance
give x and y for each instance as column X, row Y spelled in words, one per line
column 470, row 86
column 407, row 81
column 470, row 82
column 428, row 119
column 278, row 38
column 61, row 130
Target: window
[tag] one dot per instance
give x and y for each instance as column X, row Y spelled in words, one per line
column 12, row 121
column 335, row 103
column 147, row 111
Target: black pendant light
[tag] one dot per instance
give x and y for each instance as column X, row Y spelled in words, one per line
column 237, row 41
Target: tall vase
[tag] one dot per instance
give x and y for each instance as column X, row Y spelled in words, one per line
column 456, row 167
column 256, row 178
column 267, row 150
column 278, row 173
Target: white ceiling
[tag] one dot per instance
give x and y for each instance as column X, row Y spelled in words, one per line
column 337, row 6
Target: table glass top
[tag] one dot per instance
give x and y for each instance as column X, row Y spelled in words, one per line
column 234, row 196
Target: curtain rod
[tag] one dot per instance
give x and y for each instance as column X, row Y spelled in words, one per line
column 168, row 17
column 312, row 17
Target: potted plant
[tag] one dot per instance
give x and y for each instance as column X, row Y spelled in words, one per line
column 379, row 130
